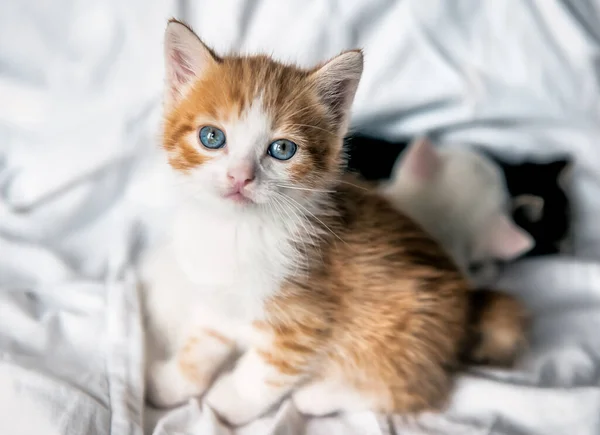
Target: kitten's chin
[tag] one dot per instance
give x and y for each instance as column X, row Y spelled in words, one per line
column 229, row 203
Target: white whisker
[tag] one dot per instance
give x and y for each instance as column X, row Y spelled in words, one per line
column 301, row 110
column 300, row 219
column 278, row 210
column 355, row 185
column 304, row 188
column 313, row 215
column 303, row 221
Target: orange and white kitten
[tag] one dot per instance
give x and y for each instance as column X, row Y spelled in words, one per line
column 330, row 294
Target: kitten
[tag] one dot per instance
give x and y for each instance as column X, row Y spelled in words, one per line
column 460, row 198
column 540, row 202
column 332, row 295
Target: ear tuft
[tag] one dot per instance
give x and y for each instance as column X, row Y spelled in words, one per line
column 186, row 58
column 336, row 82
column 421, row 160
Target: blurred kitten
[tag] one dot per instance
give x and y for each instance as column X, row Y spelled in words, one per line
column 459, row 197
column 538, row 189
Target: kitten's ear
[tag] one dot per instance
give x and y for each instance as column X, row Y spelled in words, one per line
column 503, row 239
column 421, row 160
column 186, row 57
column 564, row 173
column 336, row 82
column 558, row 166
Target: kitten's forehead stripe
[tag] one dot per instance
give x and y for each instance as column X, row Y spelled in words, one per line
column 226, row 93
column 182, row 154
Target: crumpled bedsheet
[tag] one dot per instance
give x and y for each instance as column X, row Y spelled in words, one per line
column 80, row 87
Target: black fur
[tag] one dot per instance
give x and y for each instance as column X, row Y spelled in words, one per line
column 544, row 181
column 371, row 157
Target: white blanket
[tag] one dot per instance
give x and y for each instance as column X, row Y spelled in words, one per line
column 80, row 86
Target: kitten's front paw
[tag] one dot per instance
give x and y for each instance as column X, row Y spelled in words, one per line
column 308, row 404
column 230, row 404
column 166, row 386
column 308, row 401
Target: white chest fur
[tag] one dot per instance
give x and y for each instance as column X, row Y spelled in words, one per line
column 217, row 270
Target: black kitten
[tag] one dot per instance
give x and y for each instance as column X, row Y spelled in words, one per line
column 539, row 201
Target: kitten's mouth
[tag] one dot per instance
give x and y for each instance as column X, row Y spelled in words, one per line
column 238, row 197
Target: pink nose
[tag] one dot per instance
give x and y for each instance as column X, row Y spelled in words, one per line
column 241, row 175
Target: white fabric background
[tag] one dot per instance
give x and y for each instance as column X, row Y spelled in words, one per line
column 80, row 85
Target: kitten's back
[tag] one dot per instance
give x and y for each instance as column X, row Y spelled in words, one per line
column 393, row 302
column 394, row 306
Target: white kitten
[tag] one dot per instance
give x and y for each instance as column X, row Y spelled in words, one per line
column 460, row 198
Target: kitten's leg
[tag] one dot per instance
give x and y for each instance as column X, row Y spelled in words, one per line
column 326, row 396
column 190, row 371
column 258, row 382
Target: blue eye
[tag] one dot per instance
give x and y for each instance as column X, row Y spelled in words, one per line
column 282, row 149
column 212, row 137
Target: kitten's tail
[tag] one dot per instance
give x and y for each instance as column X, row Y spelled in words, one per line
column 498, row 326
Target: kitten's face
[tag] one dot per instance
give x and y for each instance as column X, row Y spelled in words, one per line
column 248, row 131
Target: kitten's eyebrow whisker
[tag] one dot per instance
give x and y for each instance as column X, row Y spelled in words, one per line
column 301, row 110
column 312, row 126
column 297, row 98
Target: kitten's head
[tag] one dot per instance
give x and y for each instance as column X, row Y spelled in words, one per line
column 246, row 130
column 460, row 197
